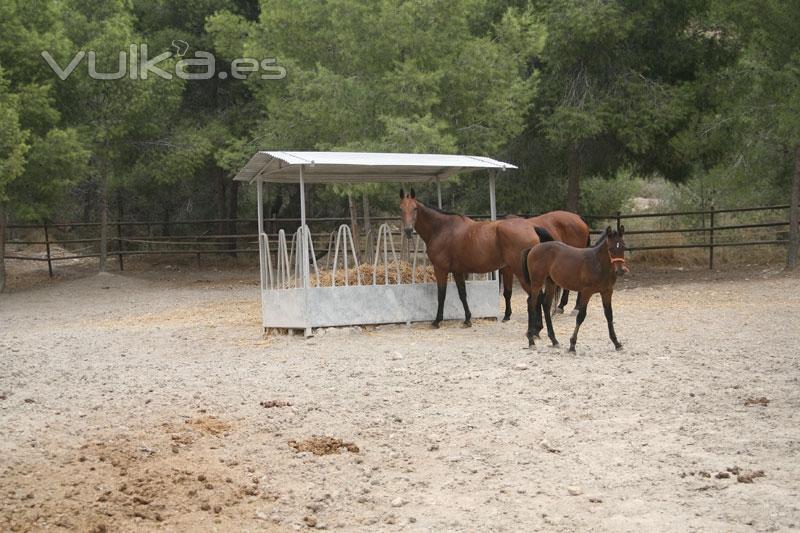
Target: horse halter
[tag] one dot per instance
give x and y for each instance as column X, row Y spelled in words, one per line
column 618, row 260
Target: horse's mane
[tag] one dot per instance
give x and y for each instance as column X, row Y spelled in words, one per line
column 442, row 211
column 601, row 240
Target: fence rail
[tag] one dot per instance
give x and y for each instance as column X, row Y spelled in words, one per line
column 240, row 236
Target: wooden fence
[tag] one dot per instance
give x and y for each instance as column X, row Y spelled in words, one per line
column 704, row 229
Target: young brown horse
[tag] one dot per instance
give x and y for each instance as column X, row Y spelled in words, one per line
column 458, row 244
column 564, row 226
column 588, row 271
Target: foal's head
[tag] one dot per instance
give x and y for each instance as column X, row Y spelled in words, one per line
column 616, row 249
column 408, row 211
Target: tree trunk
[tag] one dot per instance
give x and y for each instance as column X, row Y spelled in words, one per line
column 89, row 202
column 2, row 246
column 221, row 201
column 794, row 230
column 367, row 226
column 165, row 223
column 367, row 222
column 573, row 181
column 351, row 202
column 120, row 218
column 233, row 212
column 103, row 214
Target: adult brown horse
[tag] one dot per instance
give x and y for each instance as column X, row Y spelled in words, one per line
column 564, row 226
column 459, row 245
column 587, row 271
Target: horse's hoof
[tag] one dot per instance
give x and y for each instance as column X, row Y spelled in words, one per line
column 555, row 344
column 466, row 324
column 559, row 311
column 435, row 325
column 618, row 347
column 574, row 312
column 506, row 318
column 571, row 349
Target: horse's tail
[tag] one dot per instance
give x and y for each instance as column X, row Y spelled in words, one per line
column 525, row 272
column 588, row 232
column 544, row 235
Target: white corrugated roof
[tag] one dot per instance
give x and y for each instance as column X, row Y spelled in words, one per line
column 355, row 167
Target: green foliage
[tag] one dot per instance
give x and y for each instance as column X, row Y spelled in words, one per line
column 374, row 69
column 56, row 162
column 745, row 153
column 704, row 93
column 606, row 196
column 12, row 138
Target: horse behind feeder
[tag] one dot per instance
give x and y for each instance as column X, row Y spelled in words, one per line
column 564, row 226
column 587, row 271
column 459, row 245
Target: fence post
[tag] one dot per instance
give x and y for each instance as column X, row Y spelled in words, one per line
column 711, row 239
column 119, row 245
column 47, row 246
column 619, row 219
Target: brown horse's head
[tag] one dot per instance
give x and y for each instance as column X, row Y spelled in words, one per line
column 616, row 249
column 408, row 211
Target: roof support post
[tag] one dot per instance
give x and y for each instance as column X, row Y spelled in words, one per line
column 439, row 191
column 305, row 270
column 260, row 206
column 492, row 206
column 303, row 233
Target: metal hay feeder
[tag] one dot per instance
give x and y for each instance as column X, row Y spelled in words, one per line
column 292, row 296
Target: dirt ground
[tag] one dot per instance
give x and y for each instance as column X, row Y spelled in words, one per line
column 152, row 401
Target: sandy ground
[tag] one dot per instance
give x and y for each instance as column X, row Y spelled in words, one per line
column 154, row 402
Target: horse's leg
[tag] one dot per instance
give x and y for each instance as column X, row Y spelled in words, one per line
column 538, row 324
column 507, row 276
column 549, row 292
column 564, row 299
column 583, row 299
column 556, row 297
column 462, row 293
column 533, row 304
column 606, row 296
column 534, row 326
column 441, row 285
column 577, row 303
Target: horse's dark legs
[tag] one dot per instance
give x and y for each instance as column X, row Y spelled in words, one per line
column 533, row 303
column 583, row 302
column 550, row 290
column 564, row 299
column 441, row 285
column 507, row 278
column 462, row 293
column 538, row 325
column 606, row 296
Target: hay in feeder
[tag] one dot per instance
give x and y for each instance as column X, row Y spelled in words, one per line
column 407, row 274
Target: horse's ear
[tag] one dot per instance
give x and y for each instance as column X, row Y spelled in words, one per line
column 621, row 230
column 608, row 231
column 402, row 194
column 413, row 194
